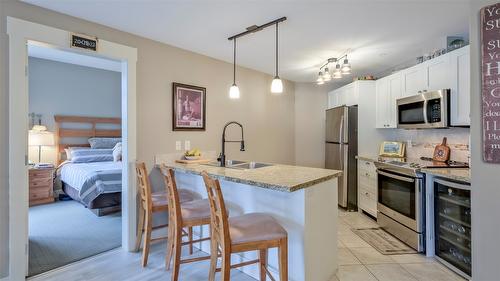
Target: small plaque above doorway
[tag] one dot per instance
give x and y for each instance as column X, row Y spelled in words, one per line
column 85, row 42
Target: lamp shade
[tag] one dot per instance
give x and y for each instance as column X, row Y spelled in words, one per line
column 277, row 86
column 40, row 138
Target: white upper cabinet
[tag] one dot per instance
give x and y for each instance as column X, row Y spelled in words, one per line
column 438, row 73
column 388, row 90
column 346, row 95
column 414, row 80
column 448, row 71
column 460, row 87
column 431, row 75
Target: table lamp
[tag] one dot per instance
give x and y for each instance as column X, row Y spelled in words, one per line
column 40, row 138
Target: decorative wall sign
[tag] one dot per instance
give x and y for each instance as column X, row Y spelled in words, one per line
column 188, row 107
column 85, row 42
column 490, row 40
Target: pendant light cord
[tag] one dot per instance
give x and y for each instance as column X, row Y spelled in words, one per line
column 276, row 49
column 234, row 62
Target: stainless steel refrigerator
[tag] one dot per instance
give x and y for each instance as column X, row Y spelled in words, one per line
column 341, row 150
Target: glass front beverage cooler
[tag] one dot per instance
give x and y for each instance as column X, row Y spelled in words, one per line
column 453, row 225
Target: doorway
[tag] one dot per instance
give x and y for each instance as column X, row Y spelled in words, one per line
column 74, row 202
column 22, row 33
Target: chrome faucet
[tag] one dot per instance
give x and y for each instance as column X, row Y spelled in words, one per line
column 222, row 155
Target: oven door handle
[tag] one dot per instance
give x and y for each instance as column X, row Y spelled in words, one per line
column 396, row 176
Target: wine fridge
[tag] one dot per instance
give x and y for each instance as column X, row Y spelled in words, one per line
column 453, row 225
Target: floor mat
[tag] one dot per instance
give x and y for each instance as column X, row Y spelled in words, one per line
column 384, row 242
column 64, row 232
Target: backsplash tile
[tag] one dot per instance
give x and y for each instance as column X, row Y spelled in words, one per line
column 424, row 141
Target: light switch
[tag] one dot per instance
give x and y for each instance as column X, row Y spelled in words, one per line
column 187, row 145
column 178, row 146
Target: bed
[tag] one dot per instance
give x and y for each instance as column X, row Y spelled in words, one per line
column 96, row 185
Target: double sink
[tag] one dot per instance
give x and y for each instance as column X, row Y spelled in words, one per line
column 239, row 165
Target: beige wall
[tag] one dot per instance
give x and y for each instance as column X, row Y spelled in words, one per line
column 268, row 120
column 310, row 106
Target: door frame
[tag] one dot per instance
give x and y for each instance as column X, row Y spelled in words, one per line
column 20, row 33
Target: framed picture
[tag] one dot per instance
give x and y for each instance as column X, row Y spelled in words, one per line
column 392, row 149
column 188, row 107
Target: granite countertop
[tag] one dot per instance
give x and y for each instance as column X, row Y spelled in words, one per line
column 367, row 158
column 278, row 177
column 458, row 174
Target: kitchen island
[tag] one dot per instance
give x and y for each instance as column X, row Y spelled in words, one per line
column 303, row 200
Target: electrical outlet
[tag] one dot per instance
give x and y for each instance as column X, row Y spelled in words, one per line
column 187, row 145
column 178, row 146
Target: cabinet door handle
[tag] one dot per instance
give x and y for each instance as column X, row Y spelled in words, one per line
column 425, row 91
column 367, row 163
column 367, row 174
column 419, row 92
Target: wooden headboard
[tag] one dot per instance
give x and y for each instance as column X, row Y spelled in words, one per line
column 93, row 128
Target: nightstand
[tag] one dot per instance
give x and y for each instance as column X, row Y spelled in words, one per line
column 41, row 186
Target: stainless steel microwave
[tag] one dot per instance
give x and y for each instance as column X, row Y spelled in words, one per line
column 426, row 110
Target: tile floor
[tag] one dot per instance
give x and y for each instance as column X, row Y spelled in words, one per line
column 358, row 261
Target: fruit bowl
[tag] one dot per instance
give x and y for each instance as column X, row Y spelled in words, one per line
column 192, row 157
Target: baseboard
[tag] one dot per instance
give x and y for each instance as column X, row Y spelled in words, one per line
column 5, row 279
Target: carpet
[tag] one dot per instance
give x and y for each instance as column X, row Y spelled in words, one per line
column 65, row 231
column 385, row 243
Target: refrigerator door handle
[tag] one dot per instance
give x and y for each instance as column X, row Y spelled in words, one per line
column 341, row 129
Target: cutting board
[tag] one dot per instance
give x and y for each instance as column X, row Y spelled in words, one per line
column 198, row 161
column 441, row 152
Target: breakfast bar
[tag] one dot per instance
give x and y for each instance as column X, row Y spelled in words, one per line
column 302, row 199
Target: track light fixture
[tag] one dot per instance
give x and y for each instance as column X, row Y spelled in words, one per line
column 324, row 72
column 276, row 84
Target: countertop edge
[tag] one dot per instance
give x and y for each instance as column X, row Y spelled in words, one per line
column 269, row 186
column 436, row 173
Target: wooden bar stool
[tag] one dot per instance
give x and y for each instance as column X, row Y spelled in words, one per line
column 249, row 232
column 182, row 215
column 151, row 203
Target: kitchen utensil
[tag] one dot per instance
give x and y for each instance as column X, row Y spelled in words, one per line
column 441, row 152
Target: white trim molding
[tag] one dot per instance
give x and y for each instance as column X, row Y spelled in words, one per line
column 21, row 33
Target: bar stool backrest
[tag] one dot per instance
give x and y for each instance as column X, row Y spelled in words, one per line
column 218, row 214
column 144, row 185
column 174, row 203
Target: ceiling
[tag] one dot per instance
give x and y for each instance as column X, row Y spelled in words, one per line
column 48, row 53
column 381, row 35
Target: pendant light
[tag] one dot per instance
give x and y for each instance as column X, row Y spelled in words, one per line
column 320, row 80
column 277, row 84
column 234, row 91
column 346, row 67
column 338, row 73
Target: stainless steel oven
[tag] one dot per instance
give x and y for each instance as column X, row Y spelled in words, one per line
column 401, row 206
column 426, row 110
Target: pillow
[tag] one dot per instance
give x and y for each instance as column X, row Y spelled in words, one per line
column 117, row 152
column 97, row 143
column 91, row 155
column 69, row 150
column 92, row 158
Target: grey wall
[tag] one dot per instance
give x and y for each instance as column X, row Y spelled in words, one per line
column 57, row 88
column 269, row 120
column 485, row 186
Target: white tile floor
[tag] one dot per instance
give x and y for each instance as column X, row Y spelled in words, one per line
column 358, row 261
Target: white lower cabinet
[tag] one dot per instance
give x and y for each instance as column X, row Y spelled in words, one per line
column 367, row 187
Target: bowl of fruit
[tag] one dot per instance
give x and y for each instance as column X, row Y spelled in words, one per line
column 193, row 154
